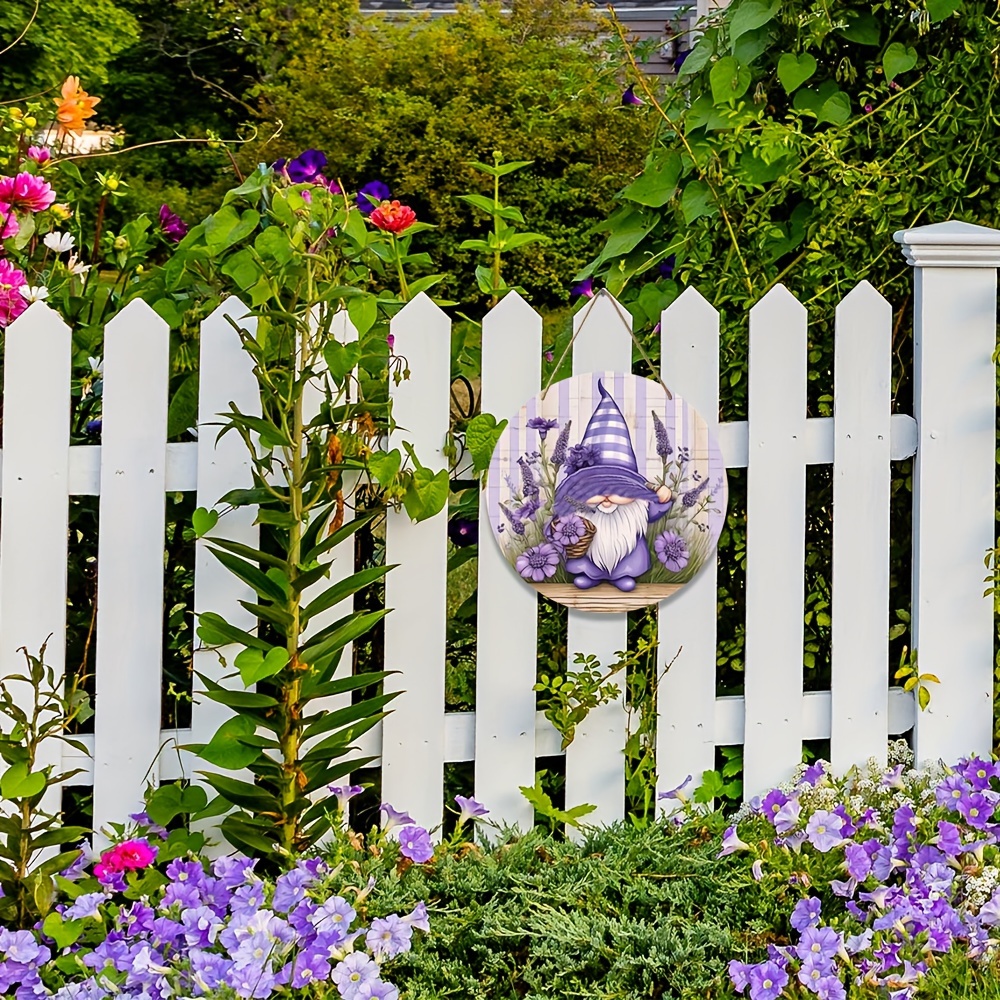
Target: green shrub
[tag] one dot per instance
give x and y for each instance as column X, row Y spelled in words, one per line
column 412, row 101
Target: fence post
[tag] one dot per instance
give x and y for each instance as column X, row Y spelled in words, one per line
column 954, row 478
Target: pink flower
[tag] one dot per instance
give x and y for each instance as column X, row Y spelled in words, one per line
column 12, row 302
column 9, row 226
column 26, row 191
column 127, row 856
column 39, row 154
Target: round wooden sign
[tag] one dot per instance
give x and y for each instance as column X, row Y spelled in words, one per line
column 606, row 495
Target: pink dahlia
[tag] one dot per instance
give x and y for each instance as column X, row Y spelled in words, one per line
column 27, row 191
column 39, row 154
column 12, row 302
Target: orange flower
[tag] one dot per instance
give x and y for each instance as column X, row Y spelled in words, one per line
column 74, row 107
column 393, row 217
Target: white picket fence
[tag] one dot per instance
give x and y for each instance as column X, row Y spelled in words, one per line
column 952, row 434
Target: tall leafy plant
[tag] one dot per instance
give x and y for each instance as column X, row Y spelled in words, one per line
column 301, row 253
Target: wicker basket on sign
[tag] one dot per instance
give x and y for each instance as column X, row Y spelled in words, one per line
column 579, row 548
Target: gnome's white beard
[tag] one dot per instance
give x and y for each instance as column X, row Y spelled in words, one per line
column 616, row 532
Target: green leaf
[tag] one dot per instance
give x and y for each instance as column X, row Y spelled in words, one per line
column 273, row 242
column 699, row 56
column 729, row 80
column 696, row 201
column 427, row 493
column 384, row 465
column 242, row 793
column 165, row 803
column 251, row 837
column 243, row 269
column 249, row 574
column 341, row 633
column 214, row 630
column 747, row 16
column 898, row 58
column 938, row 10
column 794, row 70
column 481, row 436
column 341, row 359
column 64, row 933
column 225, row 749
column 18, row 783
column 836, row 109
column 479, row 201
column 203, row 521
column 343, row 589
column 657, row 183
column 255, row 665
column 862, row 28
column 363, row 311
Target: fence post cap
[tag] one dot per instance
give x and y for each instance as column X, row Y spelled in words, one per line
column 950, row 244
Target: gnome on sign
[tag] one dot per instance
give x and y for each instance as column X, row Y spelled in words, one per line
column 603, row 489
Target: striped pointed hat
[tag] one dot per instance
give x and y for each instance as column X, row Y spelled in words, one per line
column 611, row 464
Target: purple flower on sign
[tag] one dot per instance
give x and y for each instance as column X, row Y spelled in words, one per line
column 824, row 830
column 663, row 446
column 767, row 980
column 672, row 551
column 629, row 97
column 344, row 794
column 559, row 452
column 580, row 456
column 542, row 425
column 516, row 524
column 566, row 531
column 690, row 498
column 806, row 913
column 377, row 190
column 470, row 809
column 415, row 844
column 538, row 563
column 529, row 488
column 394, row 818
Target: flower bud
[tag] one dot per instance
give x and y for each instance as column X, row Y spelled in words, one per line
column 61, row 211
column 120, row 243
column 31, row 121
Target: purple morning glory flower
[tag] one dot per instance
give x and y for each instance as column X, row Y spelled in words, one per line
column 344, row 794
column 388, row 936
column 538, row 563
column 629, row 97
column 306, row 168
column 767, row 980
column 806, row 913
column 667, row 266
column 824, row 830
column 679, row 59
column 415, row 844
column 93, row 427
column 378, row 190
column 394, row 818
column 172, row 225
column 731, row 843
column 584, row 289
column 463, row 531
column 672, row 551
column 471, row 809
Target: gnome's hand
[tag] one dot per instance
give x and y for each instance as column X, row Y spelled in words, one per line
column 663, row 494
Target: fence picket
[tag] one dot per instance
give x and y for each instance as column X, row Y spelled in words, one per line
column 130, row 560
column 226, row 376
column 775, row 540
column 685, row 735
column 33, row 531
column 507, row 625
column 594, row 760
column 862, row 403
column 413, row 732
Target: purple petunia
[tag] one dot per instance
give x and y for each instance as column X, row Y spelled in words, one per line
column 731, row 843
column 354, row 970
column 394, row 818
column 470, row 809
column 389, row 936
column 767, row 980
column 415, row 843
column 824, row 830
column 377, row 190
column 806, row 913
column 672, row 551
column 538, row 563
column 344, row 793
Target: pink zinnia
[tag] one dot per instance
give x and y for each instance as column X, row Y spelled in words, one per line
column 39, row 154
column 9, row 226
column 27, row 191
column 12, row 302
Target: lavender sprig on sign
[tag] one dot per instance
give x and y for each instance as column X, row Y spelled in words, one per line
column 663, row 446
column 559, row 452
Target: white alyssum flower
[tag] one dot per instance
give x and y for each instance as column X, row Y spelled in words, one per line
column 34, row 293
column 59, row 242
column 96, row 365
